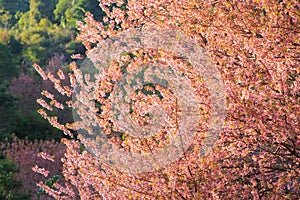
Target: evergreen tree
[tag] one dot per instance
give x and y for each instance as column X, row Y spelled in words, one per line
column 7, row 68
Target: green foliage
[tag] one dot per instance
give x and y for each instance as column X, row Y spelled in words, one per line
column 8, row 184
column 47, row 7
column 14, row 53
column 93, row 7
column 33, row 126
column 33, row 31
column 7, row 68
column 34, row 53
column 6, row 99
column 61, row 8
column 82, row 148
column 74, row 14
column 50, row 182
column 5, row 19
column 74, row 48
column 51, row 25
column 23, row 22
column 15, row 46
column 7, row 109
column 67, row 13
column 10, row 11
column 14, row 6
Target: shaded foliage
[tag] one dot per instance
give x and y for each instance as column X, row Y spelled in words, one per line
column 9, row 186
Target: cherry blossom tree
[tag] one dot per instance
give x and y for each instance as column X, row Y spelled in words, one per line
column 254, row 45
column 57, row 64
column 26, row 90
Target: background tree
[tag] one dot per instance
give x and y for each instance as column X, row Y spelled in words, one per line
column 7, row 109
column 69, row 12
column 11, row 11
column 5, row 19
column 13, row 6
column 8, row 184
column 7, row 68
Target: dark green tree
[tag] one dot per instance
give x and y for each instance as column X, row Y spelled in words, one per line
column 7, row 68
column 7, row 110
column 8, row 184
column 67, row 13
column 10, row 11
column 14, row 6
